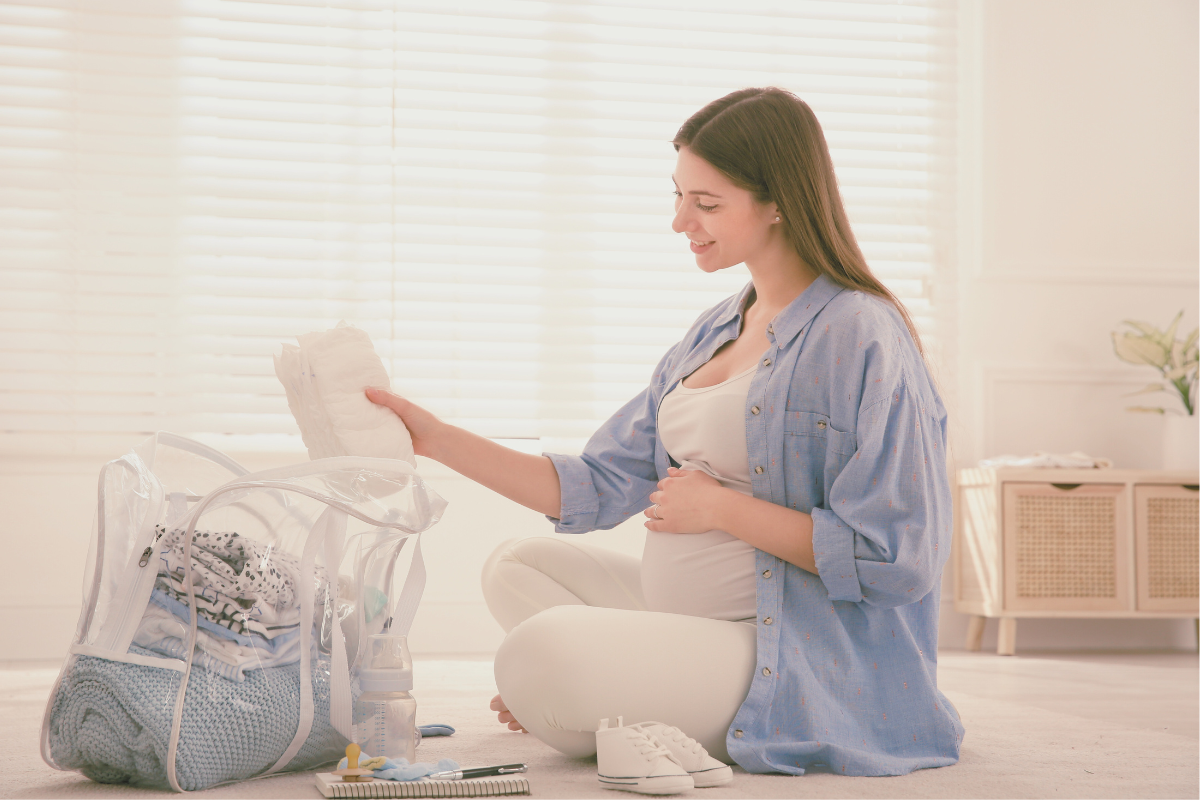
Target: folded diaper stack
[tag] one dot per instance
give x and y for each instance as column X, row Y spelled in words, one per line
column 325, row 378
column 247, row 598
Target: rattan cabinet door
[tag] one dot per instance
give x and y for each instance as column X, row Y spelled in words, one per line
column 1167, row 534
column 1066, row 547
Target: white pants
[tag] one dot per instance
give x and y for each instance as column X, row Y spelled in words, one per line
column 582, row 647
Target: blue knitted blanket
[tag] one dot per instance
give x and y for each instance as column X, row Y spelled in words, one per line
column 112, row 722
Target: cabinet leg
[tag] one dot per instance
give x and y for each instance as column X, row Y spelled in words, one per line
column 975, row 632
column 1006, row 643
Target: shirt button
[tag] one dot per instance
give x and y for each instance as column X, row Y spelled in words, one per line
column 737, row 734
column 821, row 424
column 767, row 621
column 766, row 362
column 754, row 410
column 766, row 670
column 771, row 328
column 758, row 470
column 766, row 573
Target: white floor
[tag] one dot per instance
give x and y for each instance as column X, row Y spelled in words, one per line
column 1069, row 725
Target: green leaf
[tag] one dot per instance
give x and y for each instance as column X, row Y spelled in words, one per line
column 1176, row 374
column 1139, row 350
column 1169, row 336
column 1191, row 348
column 1176, row 354
column 1191, row 339
column 1150, row 388
column 1145, row 410
column 1145, row 328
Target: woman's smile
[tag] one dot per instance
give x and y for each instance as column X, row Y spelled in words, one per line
column 701, row 247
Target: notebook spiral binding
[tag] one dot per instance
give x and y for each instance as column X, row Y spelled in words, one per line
column 479, row 787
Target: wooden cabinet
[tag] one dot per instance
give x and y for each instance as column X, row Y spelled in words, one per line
column 1074, row 543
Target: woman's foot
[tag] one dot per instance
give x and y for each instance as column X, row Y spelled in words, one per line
column 506, row 716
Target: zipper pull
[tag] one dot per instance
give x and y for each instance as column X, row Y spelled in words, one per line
column 149, row 551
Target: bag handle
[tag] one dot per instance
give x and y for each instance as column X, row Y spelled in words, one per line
column 340, row 713
column 410, row 595
column 332, row 520
column 191, row 446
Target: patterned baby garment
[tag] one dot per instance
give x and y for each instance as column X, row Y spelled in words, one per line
column 239, row 583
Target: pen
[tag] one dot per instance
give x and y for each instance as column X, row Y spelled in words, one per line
column 478, row 772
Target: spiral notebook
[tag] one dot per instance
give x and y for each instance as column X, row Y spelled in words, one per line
column 333, row 786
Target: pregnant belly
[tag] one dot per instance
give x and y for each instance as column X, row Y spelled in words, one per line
column 701, row 574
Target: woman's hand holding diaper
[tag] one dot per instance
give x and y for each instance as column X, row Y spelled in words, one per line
column 685, row 502
column 530, row 480
column 423, row 427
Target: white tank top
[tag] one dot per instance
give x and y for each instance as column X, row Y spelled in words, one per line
column 707, row 574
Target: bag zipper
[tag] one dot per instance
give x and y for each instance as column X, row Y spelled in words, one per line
column 119, row 630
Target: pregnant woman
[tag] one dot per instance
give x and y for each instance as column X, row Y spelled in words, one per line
column 788, row 456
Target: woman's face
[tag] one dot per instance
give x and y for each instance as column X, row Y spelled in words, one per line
column 724, row 223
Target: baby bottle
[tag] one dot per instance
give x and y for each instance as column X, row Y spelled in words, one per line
column 385, row 714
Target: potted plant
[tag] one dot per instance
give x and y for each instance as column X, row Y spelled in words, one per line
column 1177, row 360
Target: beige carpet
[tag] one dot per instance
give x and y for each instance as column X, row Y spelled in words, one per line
column 1041, row 725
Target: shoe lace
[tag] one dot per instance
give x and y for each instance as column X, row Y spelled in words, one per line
column 672, row 733
column 646, row 745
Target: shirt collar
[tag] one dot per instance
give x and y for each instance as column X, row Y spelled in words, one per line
column 794, row 317
column 735, row 309
column 800, row 312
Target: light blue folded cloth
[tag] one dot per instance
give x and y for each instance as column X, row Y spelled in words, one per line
column 435, row 729
column 400, row 770
column 112, row 721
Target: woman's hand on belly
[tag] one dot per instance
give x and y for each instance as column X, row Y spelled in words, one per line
column 687, row 501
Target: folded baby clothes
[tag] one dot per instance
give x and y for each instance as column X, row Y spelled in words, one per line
column 226, row 613
column 218, row 616
column 112, row 721
column 247, row 599
column 163, row 632
column 1042, row 460
column 325, row 378
column 239, row 583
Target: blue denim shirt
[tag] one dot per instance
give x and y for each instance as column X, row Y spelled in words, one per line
column 851, row 430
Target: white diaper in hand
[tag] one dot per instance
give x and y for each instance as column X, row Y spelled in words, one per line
column 324, row 378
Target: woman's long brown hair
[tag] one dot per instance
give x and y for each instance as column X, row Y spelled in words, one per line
column 768, row 142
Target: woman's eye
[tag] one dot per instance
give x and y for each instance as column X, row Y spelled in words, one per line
column 705, row 208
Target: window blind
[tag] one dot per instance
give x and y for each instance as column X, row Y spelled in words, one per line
column 484, row 187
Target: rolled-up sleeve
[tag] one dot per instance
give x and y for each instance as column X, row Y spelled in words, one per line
column 613, row 478
column 885, row 536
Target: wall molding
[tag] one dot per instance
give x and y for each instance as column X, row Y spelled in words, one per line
column 1025, row 271
column 991, row 376
column 1058, row 373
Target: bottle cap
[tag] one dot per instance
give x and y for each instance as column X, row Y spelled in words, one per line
column 387, row 665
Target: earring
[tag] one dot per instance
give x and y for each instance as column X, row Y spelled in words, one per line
column 777, row 219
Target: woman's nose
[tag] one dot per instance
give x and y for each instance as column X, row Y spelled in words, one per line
column 681, row 221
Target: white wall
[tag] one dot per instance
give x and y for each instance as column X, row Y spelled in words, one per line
column 1078, row 209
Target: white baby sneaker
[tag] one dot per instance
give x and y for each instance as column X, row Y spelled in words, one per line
column 705, row 770
column 630, row 760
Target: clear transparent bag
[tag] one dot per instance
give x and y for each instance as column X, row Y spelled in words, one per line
column 224, row 611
